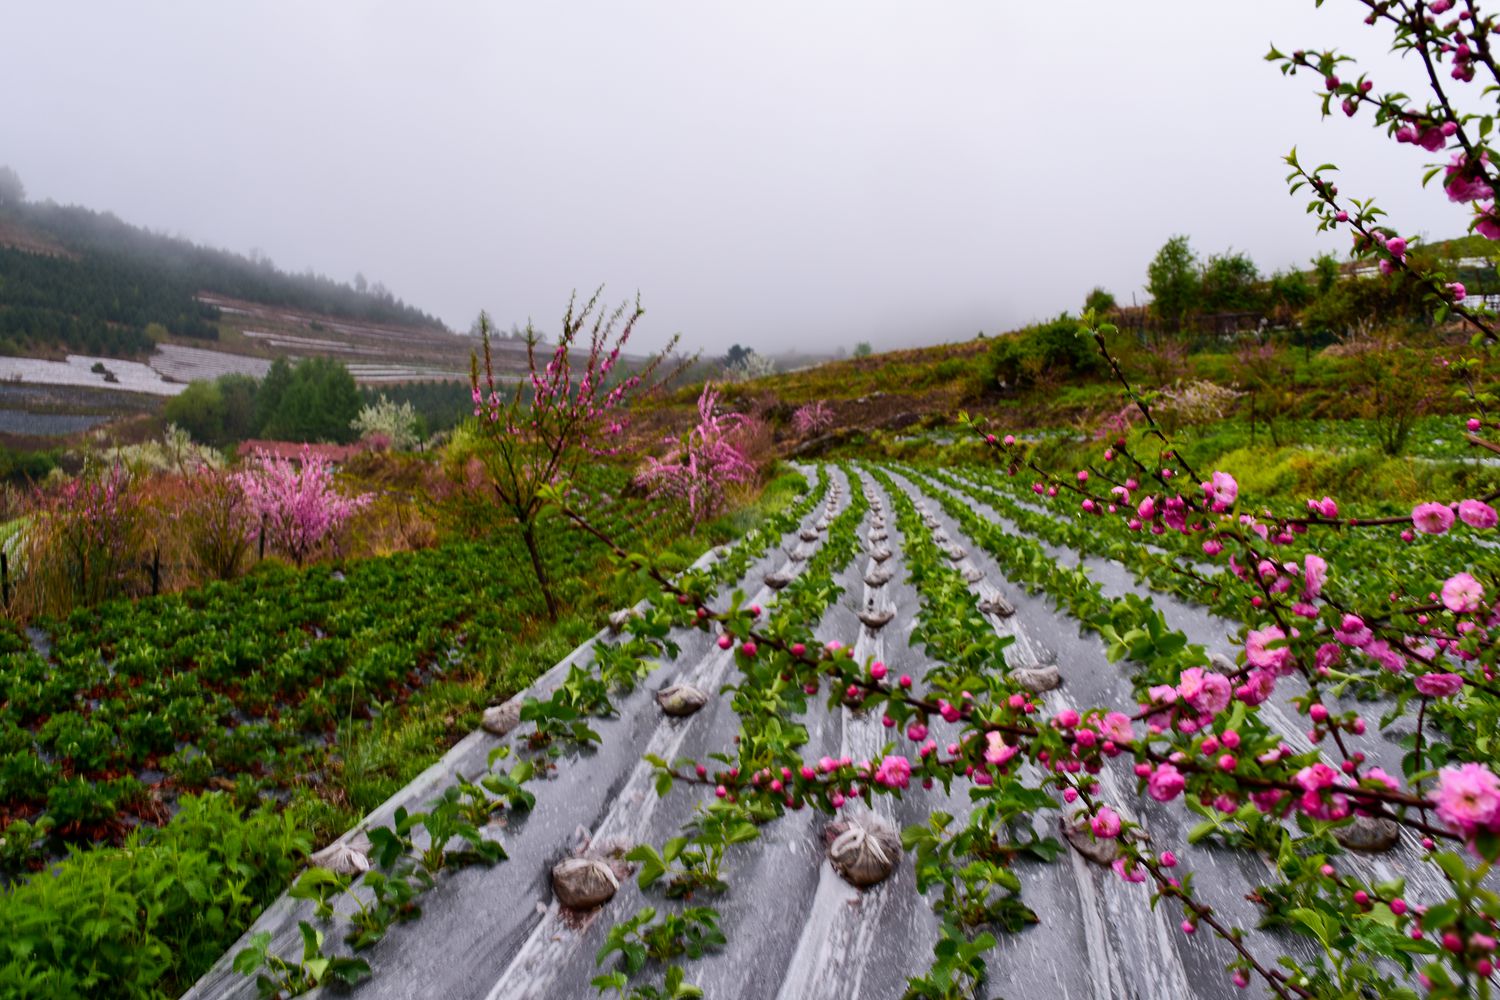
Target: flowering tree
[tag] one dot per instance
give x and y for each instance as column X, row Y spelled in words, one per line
column 749, row 366
column 698, row 468
column 1197, row 401
column 395, row 423
column 812, row 418
column 296, row 504
column 561, row 411
column 88, row 539
column 1456, row 117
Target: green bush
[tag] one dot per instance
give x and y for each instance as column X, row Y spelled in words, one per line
column 148, row 918
column 1047, row 352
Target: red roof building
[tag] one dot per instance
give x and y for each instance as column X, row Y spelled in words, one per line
column 293, row 450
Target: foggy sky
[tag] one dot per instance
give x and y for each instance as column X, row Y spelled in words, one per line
column 798, row 174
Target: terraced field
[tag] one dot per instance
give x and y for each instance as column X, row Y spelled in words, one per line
column 924, row 572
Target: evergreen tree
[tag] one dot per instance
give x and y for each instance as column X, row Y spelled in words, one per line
column 272, row 389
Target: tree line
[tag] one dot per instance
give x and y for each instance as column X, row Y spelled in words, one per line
column 1191, row 293
column 100, row 304
column 253, row 277
column 315, row 400
column 117, row 281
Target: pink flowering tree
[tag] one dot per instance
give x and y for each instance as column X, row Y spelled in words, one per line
column 89, row 539
column 812, row 418
column 570, row 405
column 1451, row 42
column 698, row 469
column 296, row 505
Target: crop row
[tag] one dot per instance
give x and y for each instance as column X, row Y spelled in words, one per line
column 138, row 702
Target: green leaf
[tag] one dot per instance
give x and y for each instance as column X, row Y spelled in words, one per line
column 1313, row 921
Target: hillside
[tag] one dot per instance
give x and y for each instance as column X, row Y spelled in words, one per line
column 81, row 284
column 99, row 247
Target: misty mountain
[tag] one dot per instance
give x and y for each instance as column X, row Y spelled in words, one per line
column 76, row 279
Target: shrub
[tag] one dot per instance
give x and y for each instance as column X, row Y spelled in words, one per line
column 86, row 544
column 148, row 918
column 813, row 418
column 698, row 469
column 395, row 423
column 216, row 520
column 297, row 504
column 1049, row 351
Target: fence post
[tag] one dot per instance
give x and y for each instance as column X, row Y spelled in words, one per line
column 156, row 572
column 263, row 538
column 5, row 577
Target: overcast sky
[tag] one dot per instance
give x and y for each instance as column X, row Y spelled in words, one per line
column 779, row 174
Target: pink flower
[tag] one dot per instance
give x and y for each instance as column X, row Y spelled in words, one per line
column 1467, row 797
column 1175, row 514
column 1206, row 691
column 1314, row 779
column 1432, row 140
column 1487, row 224
column 996, row 751
column 1128, row 870
column 1438, row 685
column 1105, row 823
column 1117, row 726
column 1257, row 654
column 1221, row 490
column 1325, row 507
column 1147, row 509
column 1165, row 783
column 1382, row 652
column 1314, row 575
column 1463, row 180
column 1477, row 514
column 1353, row 632
column 812, row 418
column 1257, row 687
column 1462, row 593
column 1432, row 518
column 894, row 772
column 1378, row 776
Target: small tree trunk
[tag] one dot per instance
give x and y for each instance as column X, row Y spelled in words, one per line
column 528, row 533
